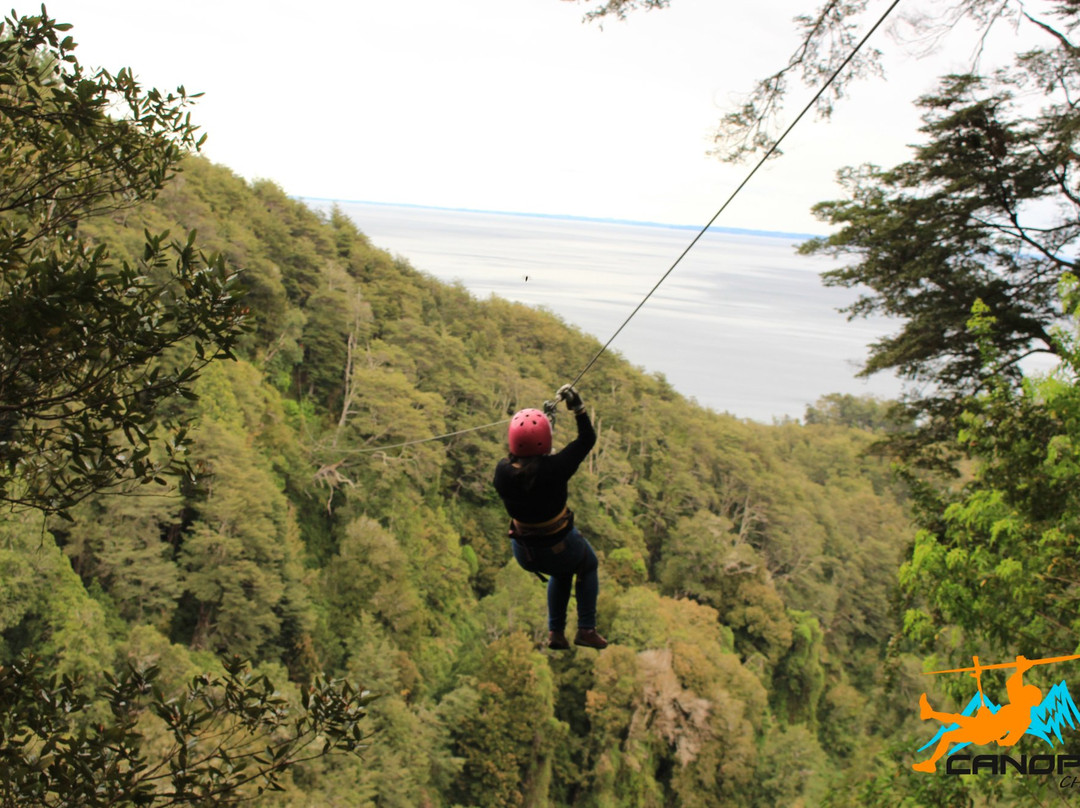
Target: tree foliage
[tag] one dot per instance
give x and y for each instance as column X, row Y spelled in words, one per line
column 996, row 557
column 83, row 334
column 828, row 36
column 225, row 739
column 984, row 211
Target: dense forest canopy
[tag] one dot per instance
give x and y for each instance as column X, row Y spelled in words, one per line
column 735, row 555
column 285, row 579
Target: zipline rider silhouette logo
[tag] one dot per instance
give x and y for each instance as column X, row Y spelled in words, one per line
column 1026, row 712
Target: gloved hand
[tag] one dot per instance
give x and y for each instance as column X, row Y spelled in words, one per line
column 571, row 397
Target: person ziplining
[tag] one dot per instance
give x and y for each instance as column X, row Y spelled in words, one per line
column 532, row 482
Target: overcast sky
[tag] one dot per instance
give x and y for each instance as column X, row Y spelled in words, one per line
column 509, row 105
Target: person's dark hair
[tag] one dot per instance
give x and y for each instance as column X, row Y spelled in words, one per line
column 525, row 469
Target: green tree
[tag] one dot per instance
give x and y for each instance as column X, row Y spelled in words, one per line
column 371, row 572
column 673, row 712
column 956, row 224
column 709, row 562
column 126, row 545
column 81, row 386
column 997, row 557
column 858, row 412
column 508, row 730
column 44, row 608
column 240, row 555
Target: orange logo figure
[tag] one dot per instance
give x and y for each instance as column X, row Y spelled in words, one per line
column 1005, row 726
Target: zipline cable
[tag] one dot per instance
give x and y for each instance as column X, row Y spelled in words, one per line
column 367, row 449
column 753, row 171
column 772, row 150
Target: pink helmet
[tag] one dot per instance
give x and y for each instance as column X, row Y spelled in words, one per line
column 530, row 433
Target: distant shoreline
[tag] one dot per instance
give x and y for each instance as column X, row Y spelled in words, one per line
column 738, row 231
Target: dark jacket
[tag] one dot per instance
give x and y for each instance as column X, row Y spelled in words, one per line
column 533, row 489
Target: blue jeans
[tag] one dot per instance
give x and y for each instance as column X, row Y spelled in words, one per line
column 577, row 558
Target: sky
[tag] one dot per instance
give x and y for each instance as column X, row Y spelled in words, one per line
column 506, row 105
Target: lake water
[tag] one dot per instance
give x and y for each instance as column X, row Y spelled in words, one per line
column 743, row 325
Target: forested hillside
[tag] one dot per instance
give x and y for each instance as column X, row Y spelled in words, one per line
column 746, row 569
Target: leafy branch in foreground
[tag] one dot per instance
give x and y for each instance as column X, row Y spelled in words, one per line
column 82, row 336
column 73, row 142
column 226, row 739
column 827, row 36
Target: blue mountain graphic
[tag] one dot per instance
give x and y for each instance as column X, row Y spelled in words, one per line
column 1057, row 709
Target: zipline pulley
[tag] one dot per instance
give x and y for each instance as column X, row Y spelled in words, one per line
column 550, row 407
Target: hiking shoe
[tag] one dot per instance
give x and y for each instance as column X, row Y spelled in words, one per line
column 557, row 641
column 589, row 638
